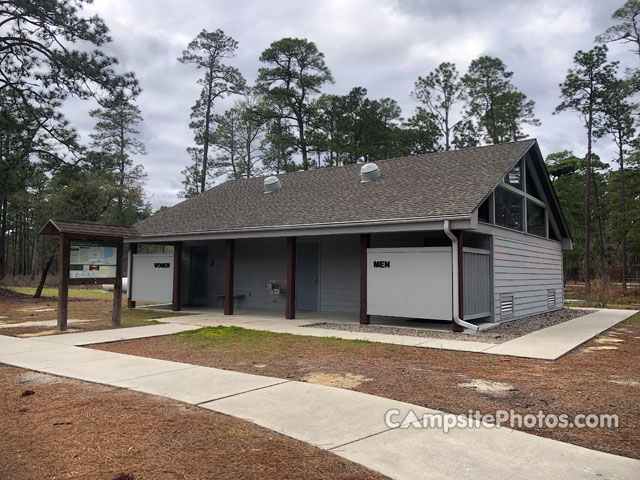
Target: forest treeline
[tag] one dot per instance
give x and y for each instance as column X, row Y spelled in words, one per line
column 282, row 121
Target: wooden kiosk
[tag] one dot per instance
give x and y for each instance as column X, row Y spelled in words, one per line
column 91, row 253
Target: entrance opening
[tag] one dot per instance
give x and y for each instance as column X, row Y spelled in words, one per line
column 198, row 278
column 307, row 277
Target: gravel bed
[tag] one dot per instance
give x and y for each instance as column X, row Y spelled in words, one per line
column 500, row 334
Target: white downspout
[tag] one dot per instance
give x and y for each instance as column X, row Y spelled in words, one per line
column 454, row 271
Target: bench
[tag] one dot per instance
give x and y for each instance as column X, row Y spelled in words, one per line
column 236, row 299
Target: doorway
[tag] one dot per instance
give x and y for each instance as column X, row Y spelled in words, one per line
column 307, row 277
column 198, row 276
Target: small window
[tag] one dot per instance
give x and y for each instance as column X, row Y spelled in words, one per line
column 535, row 219
column 551, row 299
column 508, row 209
column 506, row 306
column 484, row 211
column 514, row 177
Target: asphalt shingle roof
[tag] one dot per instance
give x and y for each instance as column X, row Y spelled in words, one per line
column 81, row 227
column 437, row 184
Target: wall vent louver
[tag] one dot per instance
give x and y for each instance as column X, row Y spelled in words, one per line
column 506, row 305
column 551, row 298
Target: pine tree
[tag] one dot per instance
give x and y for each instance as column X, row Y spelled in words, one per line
column 208, row 51
column 116, row 135
column 582, row 92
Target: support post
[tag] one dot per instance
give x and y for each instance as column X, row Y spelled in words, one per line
column 455, row 326
column 290, row 310
column 228, row 283
column 63, row 281
column 117, row 286
column 365, row 242
column 176, row 304
column 133, row 249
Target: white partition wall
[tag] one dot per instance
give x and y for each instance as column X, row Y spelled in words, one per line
column 152, row 278
column 409, row 282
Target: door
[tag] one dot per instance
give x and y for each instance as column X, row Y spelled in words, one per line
column 307, row 277
column 198, row 276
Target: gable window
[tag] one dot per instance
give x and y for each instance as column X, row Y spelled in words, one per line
column 532, row 189
column 514, row 177
column 536, row 224
column 484, row 210
column 509, row 209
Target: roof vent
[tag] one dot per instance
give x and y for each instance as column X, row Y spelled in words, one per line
column 272, row 184
column 369, row 172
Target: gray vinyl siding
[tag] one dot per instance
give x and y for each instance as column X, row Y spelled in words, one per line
column 256, row 263
column 340, row 274
column 527, row 268
column 217, row 254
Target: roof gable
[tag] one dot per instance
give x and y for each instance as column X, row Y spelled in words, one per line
column 435, row 185
column 548, row 197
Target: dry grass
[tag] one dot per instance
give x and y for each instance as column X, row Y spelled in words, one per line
column 85, row 293
column 616, row 297
column 94, row 311
column 68, row 429
column 584, row 381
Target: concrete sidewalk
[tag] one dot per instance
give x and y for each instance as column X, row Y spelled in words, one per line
column 348, row 423
column 553, row 342
column 115, row 334
column 549, row 343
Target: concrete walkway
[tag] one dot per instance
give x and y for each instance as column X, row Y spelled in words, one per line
column 347, row 423
column 115, row 334
column 547, row 344
column 553, row 342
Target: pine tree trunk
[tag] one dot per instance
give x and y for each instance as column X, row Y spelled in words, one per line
column 3, row 237
column 604, row 278
column 43, row 276
column 587, row 209
column 122, row 176
column 207, row 128
column 625, row 254
column 34, row 255
column 303, row 144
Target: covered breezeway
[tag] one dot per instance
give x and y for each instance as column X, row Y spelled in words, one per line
column 294, row 277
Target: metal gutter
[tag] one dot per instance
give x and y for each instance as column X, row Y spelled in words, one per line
column 454, row 271
column 311, row 227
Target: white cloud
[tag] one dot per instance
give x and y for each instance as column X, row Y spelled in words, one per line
column 379, row 44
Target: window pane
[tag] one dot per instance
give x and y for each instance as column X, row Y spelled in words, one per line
column 535, row 219
column 483, row 211
column 531, row 186
column 514, row 177
column 508, row 209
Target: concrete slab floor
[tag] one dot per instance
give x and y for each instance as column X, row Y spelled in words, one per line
column 486, row 453
column 52, row 357
column 322, row 416
column 116, row 334
column 198, row 384
column 115, row 367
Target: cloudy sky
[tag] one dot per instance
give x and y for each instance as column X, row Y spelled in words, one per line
column 382, row 45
